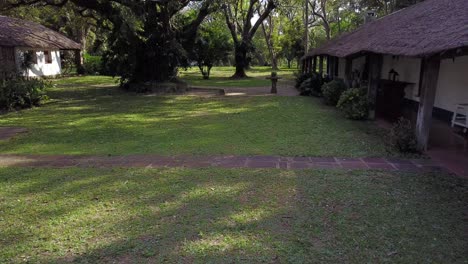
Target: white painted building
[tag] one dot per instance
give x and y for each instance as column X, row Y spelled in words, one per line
column 425, row 44
column 30, row 49
column 44, row 62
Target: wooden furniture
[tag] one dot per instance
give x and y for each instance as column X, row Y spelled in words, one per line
column 390, row 99
column 460, row 116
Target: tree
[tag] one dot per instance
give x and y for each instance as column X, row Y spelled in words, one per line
column 239, row 15
column 212, row 46
column 148, row 40
column 291, row 41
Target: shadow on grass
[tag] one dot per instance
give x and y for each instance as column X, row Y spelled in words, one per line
column 95, row 117
column 215, row 215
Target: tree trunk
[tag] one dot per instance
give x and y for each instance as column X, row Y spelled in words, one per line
column 241, row 61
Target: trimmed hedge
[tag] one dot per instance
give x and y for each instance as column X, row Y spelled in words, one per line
column 354, row 103
column 332, row 91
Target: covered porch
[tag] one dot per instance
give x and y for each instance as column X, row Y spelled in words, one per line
column 425, row 90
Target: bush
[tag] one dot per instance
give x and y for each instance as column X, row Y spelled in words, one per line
column 312, row 85
column 354, row 103
column 93, row 65
column 332, row 91
column 300, row 78
column 22, row 93
column 402, row 137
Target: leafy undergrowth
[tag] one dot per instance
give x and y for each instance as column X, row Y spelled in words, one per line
column 215, row 215
column 90, row 115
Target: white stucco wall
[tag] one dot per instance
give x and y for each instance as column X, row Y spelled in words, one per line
column 359, row 64
column 408, row 69
column 41, row 68
column 452, row 87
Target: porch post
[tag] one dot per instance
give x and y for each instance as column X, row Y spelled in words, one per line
column 303, row 65
column 375, row 73
column 320, row 65
column 348, row 69
column 314, row 64
column 336, row 67
column 428, row 92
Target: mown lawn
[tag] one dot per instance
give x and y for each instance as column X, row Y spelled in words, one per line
column 220, row 77
column 217, row 215
column 89, row 115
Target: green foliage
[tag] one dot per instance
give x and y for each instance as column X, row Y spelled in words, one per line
column 291, row 41
column 402, row 137
column 213, row 45
column 354, row 103
column 22, row 93
column 93, row 64
column 312, row 86
column 332, row 91
column 300, row 78
column 106, row 120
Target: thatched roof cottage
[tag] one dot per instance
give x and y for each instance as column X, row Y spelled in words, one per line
column 418, row 55
column 31, row 49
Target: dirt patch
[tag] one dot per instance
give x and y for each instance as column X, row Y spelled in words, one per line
column 7, row 133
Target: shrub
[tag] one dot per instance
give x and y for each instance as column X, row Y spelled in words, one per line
column 92, row 64
column 332, row 91
column 22, row 93
column 300, row 78
column 402, row 137
column 354, row 103
column 312, row 85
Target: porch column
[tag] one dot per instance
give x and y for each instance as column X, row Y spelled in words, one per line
column 348, row 69
column 431, row 67
column 375, row 73
column 314, row 64
column 336, row 67
column 320, row 65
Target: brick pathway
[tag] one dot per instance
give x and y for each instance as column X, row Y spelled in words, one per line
column 154, row 161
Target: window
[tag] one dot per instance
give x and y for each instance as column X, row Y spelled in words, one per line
column 48, row 57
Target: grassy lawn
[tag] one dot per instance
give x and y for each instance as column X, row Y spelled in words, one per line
column 220, row 77
column 90, row 115
column 215, row 215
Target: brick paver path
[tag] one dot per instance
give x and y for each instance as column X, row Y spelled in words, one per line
column 154, row 161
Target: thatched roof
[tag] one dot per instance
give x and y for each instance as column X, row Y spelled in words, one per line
column 21, row 33
column 424, row 29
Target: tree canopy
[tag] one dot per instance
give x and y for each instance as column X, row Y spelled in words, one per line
column 142, row 41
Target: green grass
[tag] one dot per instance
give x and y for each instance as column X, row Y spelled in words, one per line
column 89, row 115
column 220, row 77
column 216, row 215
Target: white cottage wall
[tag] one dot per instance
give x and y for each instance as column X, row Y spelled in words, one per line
column 41, row 68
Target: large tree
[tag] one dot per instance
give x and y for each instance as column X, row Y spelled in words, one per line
column 148, row 40
column 239, row 18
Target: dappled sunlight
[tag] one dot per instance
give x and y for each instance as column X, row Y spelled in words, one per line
column 219, row 243
column 113, row 122
column 248, row 216
column 218, row 215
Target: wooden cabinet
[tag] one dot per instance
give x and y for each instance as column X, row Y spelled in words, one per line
column 390, row 99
